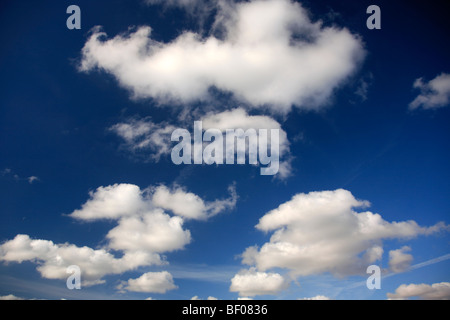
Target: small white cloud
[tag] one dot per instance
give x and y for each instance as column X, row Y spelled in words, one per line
column 9, row 172
column 10, row 297
column 112, row 202
column 433, row 94
column 189, row 205
column 252, row 283
column 399, row 260
column 151, row 282
column 436, row 291
column 32, row 179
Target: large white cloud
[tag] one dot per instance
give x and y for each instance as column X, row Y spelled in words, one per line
column 251, row 283
column 436, row 291
column 433, row 94
column 269, row 53
column 321, row 232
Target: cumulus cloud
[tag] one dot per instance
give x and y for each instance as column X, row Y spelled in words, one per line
column 399, row 260
column 53, row 259
column 253, row 58
column 126, row 200
column 142, row 233
column 433, row 94
column 251, row 283
column 189, row 205
column 321, row 232
column 154, row 231
column 112, row 202
column 150, row 282
column 436, row 291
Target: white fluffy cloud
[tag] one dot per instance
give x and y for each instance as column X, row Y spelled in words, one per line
column 321, row 232
column 399, row 260
column 433, row 94
column 143, row 232
column 254, row 58
column 150, row 282
column 189, row 205
column 53, row 259
column 154, row 232
column 126, row 200
column 112, row 202
column 436, row 291
column 251, row 283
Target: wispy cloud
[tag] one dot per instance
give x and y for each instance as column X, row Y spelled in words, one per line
column 433, row 94
column 8, row 172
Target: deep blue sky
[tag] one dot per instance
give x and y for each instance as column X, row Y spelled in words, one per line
column 54, row 121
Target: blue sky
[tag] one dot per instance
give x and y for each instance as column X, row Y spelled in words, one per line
column 85, row 166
